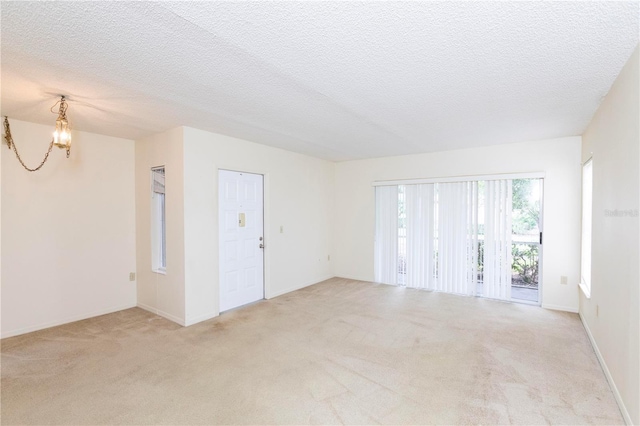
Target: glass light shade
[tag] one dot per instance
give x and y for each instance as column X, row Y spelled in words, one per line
column 62, row 134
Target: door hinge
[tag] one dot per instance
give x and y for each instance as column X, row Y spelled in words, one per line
column 540, row 238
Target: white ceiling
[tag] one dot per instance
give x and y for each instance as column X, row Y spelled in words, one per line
column 336, row 80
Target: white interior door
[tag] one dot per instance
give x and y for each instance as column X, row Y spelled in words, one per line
column 241, row 238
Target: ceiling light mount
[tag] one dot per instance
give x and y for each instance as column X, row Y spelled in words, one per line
column 61, row 135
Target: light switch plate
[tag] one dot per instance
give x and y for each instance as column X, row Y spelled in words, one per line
column 132, row 276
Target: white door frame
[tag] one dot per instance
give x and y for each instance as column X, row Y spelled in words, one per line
column 541, row 247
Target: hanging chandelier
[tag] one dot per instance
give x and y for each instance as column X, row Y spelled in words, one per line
column 61, row 135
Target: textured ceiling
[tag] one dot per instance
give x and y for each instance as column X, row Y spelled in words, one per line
column 336, row 80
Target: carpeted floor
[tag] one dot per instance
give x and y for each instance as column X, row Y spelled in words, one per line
column 340, row 351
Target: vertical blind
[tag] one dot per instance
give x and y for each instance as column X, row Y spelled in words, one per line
column 386, row 240
column 158, row 180
column 443, row 236
column 457, row 238
column 497, row 239
column 420, row 236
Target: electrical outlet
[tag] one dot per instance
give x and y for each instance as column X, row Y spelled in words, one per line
column 328, row 257
column 597, row 310
column 132, row 276
column 281, row 229
column 564, row 280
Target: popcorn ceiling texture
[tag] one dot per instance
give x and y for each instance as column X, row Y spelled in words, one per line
column 336, row 80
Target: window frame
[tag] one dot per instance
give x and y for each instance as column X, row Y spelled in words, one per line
column 158, row 226
column 586, row 228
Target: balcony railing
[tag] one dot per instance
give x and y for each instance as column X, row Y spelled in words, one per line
column 525, row 252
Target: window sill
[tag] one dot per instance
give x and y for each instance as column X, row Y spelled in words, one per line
column 585, row 290
column 160, row 271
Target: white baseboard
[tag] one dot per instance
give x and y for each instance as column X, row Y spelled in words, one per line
column 162, row 314
column 289, row 290
column 571, row 309
column 612, row 384
column 347, row 277
column 201, row 318
column 67, row 320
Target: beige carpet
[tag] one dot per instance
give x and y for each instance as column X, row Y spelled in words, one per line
column 341, row 351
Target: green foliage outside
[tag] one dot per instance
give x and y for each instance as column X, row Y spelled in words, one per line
column 525, row 219
column 526, row 213
column 525, row 263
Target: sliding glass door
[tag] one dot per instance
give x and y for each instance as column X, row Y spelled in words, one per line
column 480, row 237
column 527, row 239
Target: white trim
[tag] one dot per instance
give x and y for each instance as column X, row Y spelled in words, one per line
column 201, row 318
column 289, row 290
column 607, row 374
column 68, row 320
column 571, row 309
column 586, row 228
column 531, row 175
column 162, row 314
column 585, row 290
column 248, row 171
column 347, row 277
column 175, row 319
column 541, row 246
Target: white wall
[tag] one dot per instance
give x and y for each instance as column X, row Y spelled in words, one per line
column 161, row 293
column 558, row 158
column 298, row 196
column 611, row 314
column 68, row 230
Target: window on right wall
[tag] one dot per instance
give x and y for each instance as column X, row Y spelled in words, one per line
column 587, row 215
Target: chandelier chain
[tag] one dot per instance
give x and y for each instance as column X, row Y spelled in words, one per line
column 11, row 144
